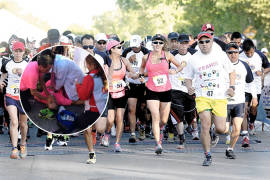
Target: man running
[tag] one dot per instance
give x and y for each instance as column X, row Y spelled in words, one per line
column 236, row 104
column 210, row 69
column 134, row 54
column 183, row 104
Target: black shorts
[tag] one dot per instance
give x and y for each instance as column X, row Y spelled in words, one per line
column 235, row 110
column 136, row 91
column 183, row 106
column 165, row 96
column 117, row 103
column 249, row 97
column 10, row 101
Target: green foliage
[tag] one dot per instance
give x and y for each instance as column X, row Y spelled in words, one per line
column 163, row 16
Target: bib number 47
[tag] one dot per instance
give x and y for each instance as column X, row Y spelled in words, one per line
column 209, row 93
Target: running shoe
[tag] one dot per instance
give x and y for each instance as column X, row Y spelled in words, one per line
column 251, row 129
column 106, row 140
column 14, row 154
column 46, row 114
column 171, row 137
column 117, row 147
column 92, row 158
column 49, row 143
column 207, row 161
column 141, row 133
column 195, row 134
column 228, row 139
column 230, row 154
column 158, row 149
column 214, row 140
column 23, row 151
column 113, row 131
column 132, row 138
column 245, row 142
column 61, row 141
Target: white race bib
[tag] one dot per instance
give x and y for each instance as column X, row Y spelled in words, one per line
column 118, row 85
column 160, row 80
column 15, row 89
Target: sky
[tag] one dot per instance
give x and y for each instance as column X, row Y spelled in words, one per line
column 62, row 13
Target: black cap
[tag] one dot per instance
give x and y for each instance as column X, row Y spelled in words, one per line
column 114, row 37
column 229, row 45
column 53, row 36
column 183, row 38
column 158, row 37
column 173, row 35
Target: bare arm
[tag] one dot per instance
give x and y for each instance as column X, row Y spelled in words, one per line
column 188, row 84
column 176, row 63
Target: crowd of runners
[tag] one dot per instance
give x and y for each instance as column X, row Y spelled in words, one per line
column 162, row 87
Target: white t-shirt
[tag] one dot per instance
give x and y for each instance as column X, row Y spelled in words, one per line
column 177, row 80
column 135, row 65
column 14, row 71
column 243, row 76
column 255, row 64
column 211, row 73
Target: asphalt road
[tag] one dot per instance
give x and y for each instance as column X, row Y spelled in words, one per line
column 136, row 161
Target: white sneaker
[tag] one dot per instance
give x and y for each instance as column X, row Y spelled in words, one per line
column 19, row 135
column 49, row 143
column 195, row 135
column 113, row 131
column 61, row 141
column 106, row 140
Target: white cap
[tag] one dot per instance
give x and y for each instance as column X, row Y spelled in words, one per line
column 135, row 41
column 64, row 40
column 264, row 50
column 101, row 36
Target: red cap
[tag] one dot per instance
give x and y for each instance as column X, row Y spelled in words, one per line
column 207, row 26
column 17, row 45
column 202, row 34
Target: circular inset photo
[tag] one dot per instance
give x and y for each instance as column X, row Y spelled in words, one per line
column 63, row 90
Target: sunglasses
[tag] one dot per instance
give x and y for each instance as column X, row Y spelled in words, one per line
column 205, row 41
column 232, row 52
column 101, row 42
column 118, row 47
column 90, row 47
column 158, row 42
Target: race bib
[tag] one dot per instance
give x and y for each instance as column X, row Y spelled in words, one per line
column 118, row 85
column 15, row 89
column 181, row 81
column 160, row 80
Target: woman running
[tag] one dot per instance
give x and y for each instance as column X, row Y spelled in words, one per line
column 117, row 97
column 158, row 91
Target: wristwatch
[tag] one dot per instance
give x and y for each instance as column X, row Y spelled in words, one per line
column 141, row 75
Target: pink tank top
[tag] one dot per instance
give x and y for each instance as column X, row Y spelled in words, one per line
column 158, row 74
column 118, row 75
